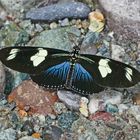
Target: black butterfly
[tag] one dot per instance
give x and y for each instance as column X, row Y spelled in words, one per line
column 58, row 69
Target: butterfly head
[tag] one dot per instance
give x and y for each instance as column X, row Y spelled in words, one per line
column 76, row 50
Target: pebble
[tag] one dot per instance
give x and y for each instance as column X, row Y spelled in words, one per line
column 53, row 25
column 5, row 123
column 88, row 135
column 2, row 79
column 28, row 127
column 72, row 101
column 111, row 108
column 88, row 45
column 59, row 108
column 8, row 134
column 59, row 11
column 122, row 108
column 135, row 111
column 94, row 105
column 99, row 101
column 28, row 138
column 41, row 119
column 64, row 22
column 136, row 99
column 114, row 99
column 118, row 52
column 65, row 120
column 52, row 133
column 97, row 21
column 83, row 106
column 3, row 101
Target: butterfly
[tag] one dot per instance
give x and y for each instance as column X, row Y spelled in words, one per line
column 59, row 69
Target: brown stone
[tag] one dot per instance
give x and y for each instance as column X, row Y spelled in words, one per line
column 30, row 95
column 136, row 99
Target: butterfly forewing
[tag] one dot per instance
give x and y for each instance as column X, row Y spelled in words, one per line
column 32, row 60
column 108, row 72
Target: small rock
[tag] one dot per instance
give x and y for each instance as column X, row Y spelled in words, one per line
column 8, row 134
column 52, row 133
column 5, row 123
column 64, row 22
column 71, row 100
column 59, row 11
column 65, row 120
column 100, row 100
column 28, row 127
column 85, row 24
column 28, row 138
column 88, row 45
column 118, row 52
column 88, row 135
column 83, row 106
column 59, row 108
column 39, row 100
column 3, row 101
column 105, row 116
column 97, row 21
column 2, row 79
column 122, row 108
column 111, row 108
column 94, row 105
column 114, row 99
column 135, row 111
column 136, row 99
column 53, row 25
column 41, row 119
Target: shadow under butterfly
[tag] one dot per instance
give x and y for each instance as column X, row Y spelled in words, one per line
column 58, row 69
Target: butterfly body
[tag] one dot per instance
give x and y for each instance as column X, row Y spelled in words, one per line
column 58, row 69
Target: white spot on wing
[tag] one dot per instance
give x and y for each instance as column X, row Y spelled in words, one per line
column 128, row 73
column 39, row 56
column 104, row 68
column 12, row 54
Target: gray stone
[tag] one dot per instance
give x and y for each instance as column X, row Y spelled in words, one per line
column 72, row 101
column 59, row 11
column 56, row 38
column 52, row 133
column 117, row 52
column 2, row 79
column 8, row 134
column 89, row 43
column 28, row 138
column 88, row 135
column 123, row 17
column 17, row 7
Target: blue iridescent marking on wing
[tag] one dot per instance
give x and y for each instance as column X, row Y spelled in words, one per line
column 60, row 70
column 81, row 74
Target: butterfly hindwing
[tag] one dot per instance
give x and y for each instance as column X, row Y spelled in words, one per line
column 53, row 77
column 32, row 60
column 108, row 72
column 83, row 82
